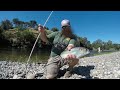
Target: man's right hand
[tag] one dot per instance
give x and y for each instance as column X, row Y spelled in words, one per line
column 43, row 36
column 41, row 28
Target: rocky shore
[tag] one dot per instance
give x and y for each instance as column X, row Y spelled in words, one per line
column 105, row 66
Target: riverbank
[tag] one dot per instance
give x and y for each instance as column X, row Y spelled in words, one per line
column 105, row 66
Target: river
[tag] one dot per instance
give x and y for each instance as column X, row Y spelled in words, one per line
column 21, row 55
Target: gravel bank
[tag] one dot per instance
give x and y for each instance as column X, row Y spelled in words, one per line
column 105, row 66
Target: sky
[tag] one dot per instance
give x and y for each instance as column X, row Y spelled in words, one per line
column 104, row 25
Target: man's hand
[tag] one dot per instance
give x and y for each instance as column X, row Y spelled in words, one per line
column 72, row 60
column 43, row 36
column 41, row 28
column 70, row 46
column 70, row 56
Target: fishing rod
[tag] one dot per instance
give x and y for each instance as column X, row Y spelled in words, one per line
column 37, row 39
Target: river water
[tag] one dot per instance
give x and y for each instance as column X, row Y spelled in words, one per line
column 21, row 55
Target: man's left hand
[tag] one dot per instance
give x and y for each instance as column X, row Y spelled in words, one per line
column 70, row 56
column 70, row 46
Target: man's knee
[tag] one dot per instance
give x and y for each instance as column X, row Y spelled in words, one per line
column 52, row 68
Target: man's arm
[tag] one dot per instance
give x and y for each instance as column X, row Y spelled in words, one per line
column 43, row 34
column 46, row 36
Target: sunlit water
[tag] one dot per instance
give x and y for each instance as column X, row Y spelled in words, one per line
column 21, row 55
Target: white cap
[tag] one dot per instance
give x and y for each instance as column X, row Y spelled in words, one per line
column 65, row 22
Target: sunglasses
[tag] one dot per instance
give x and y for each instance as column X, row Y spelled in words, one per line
column 63, row 27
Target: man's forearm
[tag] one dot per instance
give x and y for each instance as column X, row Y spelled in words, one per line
column 43, row 37
column 43, row 33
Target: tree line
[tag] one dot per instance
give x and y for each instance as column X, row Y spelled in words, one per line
column 17, row 33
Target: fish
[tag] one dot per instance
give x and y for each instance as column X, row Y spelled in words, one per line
column 79, row 52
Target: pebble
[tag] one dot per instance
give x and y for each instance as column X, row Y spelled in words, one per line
column 15, row 76
column 30, row 76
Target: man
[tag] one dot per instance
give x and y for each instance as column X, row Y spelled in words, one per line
column 61, row 41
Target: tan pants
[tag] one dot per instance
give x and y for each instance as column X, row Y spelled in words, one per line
column 55, row 63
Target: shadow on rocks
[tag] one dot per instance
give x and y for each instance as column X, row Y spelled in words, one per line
column 83, row 71
column 80, row 70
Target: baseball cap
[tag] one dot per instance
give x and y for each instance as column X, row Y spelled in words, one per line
column 65, row 22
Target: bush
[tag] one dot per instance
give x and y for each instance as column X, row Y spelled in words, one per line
column 54, row 29
column 20, row 39
column 24, row 38
column 28, row 35
column 1, row 30
column 29, row 38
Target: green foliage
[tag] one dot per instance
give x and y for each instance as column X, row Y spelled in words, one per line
column 24, row 35
column 98, row 43
column 116, row 46
column 105, row 45
column 21, row 25
column 20, row 39
column 1, row 30
column 6, row 24
column 16, row 22
column 28, row 36
column 83, row 42
column 8, row 35
column 1, row 33
column 32, row 23
column 25, row 38
column 54, row 29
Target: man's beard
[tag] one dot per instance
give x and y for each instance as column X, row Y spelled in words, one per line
column 67, row 32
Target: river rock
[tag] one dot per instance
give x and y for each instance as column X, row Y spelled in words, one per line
column 15, row 76
column 30, row 76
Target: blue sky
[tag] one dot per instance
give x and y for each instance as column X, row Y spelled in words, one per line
column 104, row 25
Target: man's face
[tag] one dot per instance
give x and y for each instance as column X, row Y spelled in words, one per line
column 66, row 30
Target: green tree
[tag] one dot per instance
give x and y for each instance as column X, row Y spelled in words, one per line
column 54, row 29
column 97, row 43
column 6, row 24
column 21, row 25
column 109, row 44
column 1, row 30
column 83, row 42
column 32, row 23
column 29, row 38
column 46, row 28
column 26, row 24
column 16, row 22
column 116, row 46
column 1, row 35
column 104, row 45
